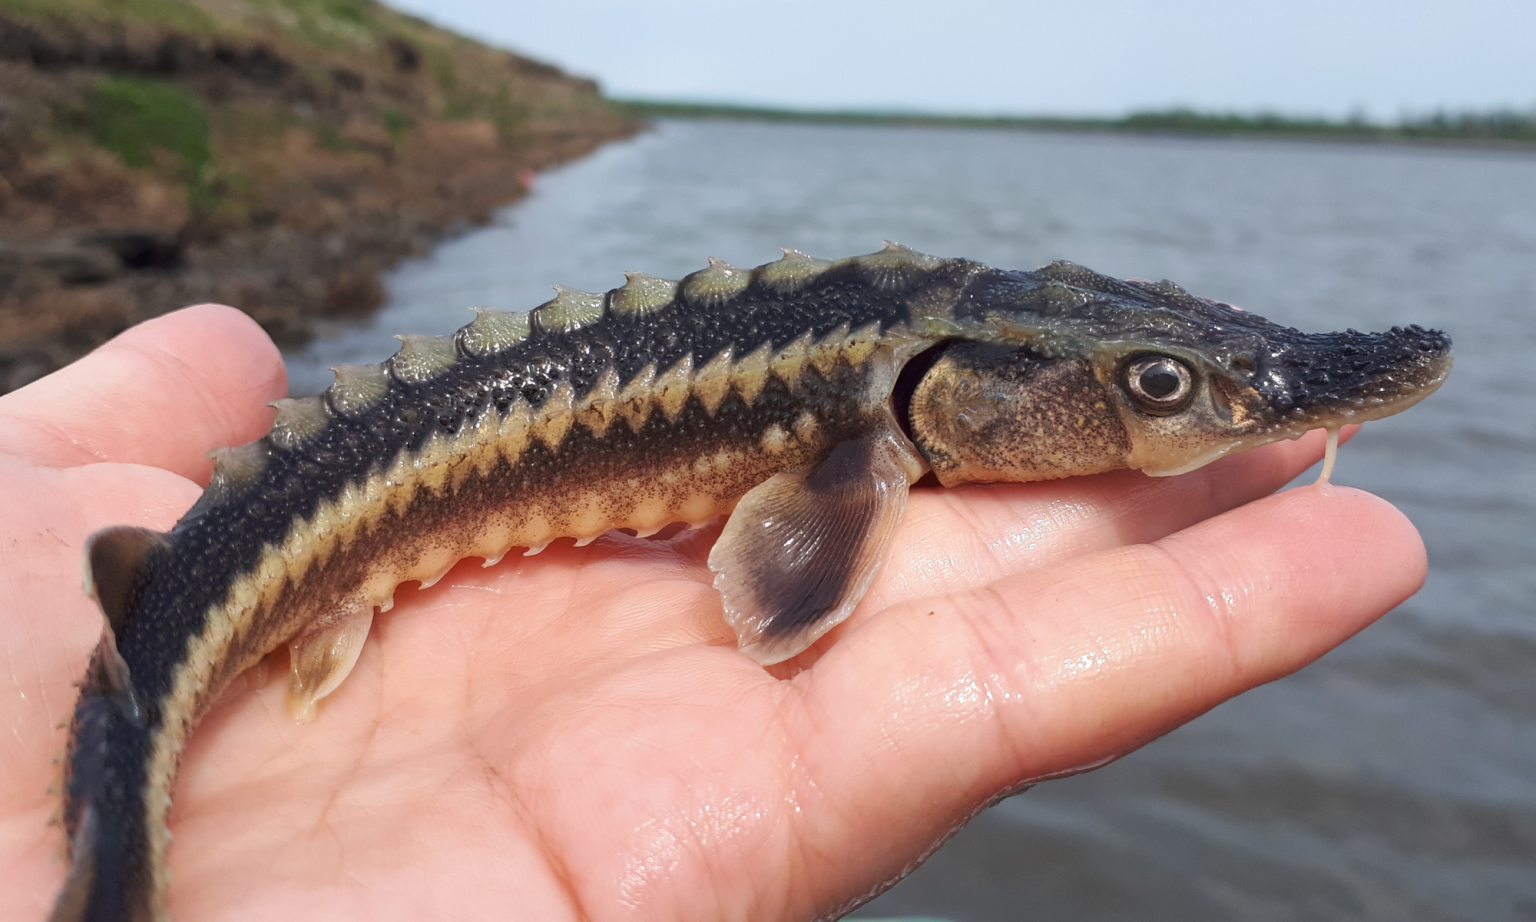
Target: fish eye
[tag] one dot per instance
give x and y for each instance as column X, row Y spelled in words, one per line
column 1159, row 384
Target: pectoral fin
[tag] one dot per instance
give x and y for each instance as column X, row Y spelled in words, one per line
column 801, row 548
column 323, row 656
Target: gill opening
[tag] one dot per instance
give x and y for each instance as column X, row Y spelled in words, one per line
column 908, row 379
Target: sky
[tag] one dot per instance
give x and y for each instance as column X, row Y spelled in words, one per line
column 1379, row 58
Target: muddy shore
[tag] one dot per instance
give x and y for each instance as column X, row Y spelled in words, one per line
column 270, row 172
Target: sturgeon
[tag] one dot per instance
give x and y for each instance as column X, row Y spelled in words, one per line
column 803, row 398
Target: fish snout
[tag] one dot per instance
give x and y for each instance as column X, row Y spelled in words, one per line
column 1352, row 376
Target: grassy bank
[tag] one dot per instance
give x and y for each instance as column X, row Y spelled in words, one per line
column 276, row 155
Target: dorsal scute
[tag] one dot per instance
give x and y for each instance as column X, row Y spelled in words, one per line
column 356, row 387
column 716, row 285
column 1166, row 287
column 1070, row 273
column 422, row 358
column 299, row 419
column 570, row 309
column 237, row 466
column 493, row 331
column 642, row 294
column 234, row 470
column 896, row 267
column 793, row 272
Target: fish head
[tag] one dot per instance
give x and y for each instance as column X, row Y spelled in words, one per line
column 1062, row 372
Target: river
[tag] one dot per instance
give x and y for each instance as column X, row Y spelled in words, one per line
column 1393, row 779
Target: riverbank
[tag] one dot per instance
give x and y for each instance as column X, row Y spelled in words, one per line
column 273, row 156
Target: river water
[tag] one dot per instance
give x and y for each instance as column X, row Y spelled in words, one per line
column 1395, row 778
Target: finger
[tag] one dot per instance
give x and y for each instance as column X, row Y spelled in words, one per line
column 958, row 539
column 163, row 393
column 945, row 704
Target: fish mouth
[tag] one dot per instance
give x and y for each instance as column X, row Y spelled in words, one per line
column 1326, row 380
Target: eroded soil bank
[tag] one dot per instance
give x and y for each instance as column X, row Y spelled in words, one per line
column 276, row 156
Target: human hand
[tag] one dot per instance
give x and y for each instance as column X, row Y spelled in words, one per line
column 574, row 735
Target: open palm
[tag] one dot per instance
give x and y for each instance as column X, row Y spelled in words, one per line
column 573, row 735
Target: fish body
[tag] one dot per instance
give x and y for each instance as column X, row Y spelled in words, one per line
column 803, row 398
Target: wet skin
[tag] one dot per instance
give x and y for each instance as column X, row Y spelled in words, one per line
column 575, row 734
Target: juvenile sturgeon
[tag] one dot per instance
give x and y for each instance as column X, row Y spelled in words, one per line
column 803, row 397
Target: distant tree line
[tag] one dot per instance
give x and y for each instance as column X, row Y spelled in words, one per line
column 1498, row 125
column 1504, row 126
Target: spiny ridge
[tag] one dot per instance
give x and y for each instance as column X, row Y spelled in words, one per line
column 298, row 420
column 422, row 358
column 233, row 470
column 716, row 285
column 493, row 331
column 642, row 294
column 896, row 267
column 793, row 272
column 356, row 387
column 570, row 309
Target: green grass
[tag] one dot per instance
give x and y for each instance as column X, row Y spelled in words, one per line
column 131, row 117
column 177, row 14
column 469, row 80
column 396, row 123
column 136, row 118
column 328, row 24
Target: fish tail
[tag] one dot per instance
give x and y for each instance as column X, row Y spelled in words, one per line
column 110, row 875
column 112, row 857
